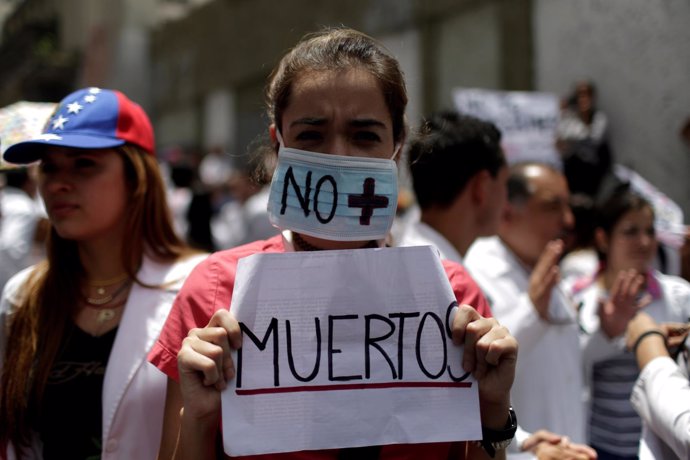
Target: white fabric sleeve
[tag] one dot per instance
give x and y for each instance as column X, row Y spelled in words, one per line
column 521, row 436
column 596, row 346
column 16, row 239
column 662, row 398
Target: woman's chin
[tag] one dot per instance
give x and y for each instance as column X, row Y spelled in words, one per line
column 321, row 243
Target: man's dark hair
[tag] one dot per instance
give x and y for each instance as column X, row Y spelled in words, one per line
column 447, row 152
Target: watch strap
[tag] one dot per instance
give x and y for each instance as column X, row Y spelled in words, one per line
column 493, row 440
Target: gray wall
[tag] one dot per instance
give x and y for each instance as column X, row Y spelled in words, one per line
column 638, row 54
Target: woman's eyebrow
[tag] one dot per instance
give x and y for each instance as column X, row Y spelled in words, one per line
column 81, row 153
column 367, row 123
column 311, row 121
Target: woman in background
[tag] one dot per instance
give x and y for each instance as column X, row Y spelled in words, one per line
column 624, row 285
column 76, row 328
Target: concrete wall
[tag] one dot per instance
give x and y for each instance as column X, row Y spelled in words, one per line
column 638, row 54
column 232, row 46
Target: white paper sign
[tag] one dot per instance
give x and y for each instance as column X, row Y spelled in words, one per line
column 527, row 121
column 346, row 349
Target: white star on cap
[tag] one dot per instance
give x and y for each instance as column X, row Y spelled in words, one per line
column 48, row 137
column 94, row 90
column 59, row 122
column 90, row 98
column 74, row 107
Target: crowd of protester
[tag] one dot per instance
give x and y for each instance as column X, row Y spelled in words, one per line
column 567, row 260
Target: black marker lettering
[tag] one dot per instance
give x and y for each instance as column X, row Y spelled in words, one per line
column 418, row 350
column 449, row 310
column 332, row 351
column 371, row 342
column 261, row 345
column 401, row 328
column 316, row 199
column 291, row 361
column 303, row 200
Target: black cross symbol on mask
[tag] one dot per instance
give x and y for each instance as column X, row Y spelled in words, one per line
column 368, row 201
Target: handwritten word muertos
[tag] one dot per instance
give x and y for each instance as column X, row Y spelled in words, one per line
column 422, row 329
column 349, row 338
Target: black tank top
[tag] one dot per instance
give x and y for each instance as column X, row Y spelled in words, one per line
column 70, row 423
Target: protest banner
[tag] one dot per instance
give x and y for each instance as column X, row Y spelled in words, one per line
column 527, row 121
column 346, row 349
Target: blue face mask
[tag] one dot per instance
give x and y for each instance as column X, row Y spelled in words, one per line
column 333, row 197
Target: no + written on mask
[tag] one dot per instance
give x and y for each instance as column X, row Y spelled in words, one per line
column 333, row 197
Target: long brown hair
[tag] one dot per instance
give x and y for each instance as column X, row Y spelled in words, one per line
column 50, row 295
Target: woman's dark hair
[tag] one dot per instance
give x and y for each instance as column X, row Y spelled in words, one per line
column 612, row 208
column 330, row 50
column 339, row 49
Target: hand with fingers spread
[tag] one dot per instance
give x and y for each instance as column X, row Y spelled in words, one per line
column 205, row 365
column 490, row 355
column 622, row 303
column 544, row 277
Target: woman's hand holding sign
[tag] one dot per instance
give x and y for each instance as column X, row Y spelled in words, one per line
column 490, row 355
column 205, row 365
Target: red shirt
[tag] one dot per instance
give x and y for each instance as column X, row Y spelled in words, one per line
column 209, row 288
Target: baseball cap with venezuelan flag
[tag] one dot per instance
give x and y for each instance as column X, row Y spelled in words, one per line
column 90, row 118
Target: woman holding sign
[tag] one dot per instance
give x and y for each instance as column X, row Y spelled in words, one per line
column 336, row 104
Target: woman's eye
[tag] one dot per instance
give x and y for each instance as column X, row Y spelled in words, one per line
column 82, row 163
column 368, row 136
column 46, row 168
column 308, row 136
column 631, row 231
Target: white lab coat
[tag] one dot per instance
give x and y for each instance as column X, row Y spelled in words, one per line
column 418, row 233
column 662, row 398
column 19, row 215
column 547, row 393
column 671, row 302
column 133, row 389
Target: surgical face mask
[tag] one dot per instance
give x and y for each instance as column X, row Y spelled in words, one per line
column 333, row 197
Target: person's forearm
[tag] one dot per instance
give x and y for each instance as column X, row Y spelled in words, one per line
column 494, row 416
column 651, row 346
column 197, row 440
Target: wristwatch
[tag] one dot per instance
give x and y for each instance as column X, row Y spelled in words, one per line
column 493, row 440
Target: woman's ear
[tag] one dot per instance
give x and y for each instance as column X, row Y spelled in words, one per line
column 272, row 135
column 601, row 240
